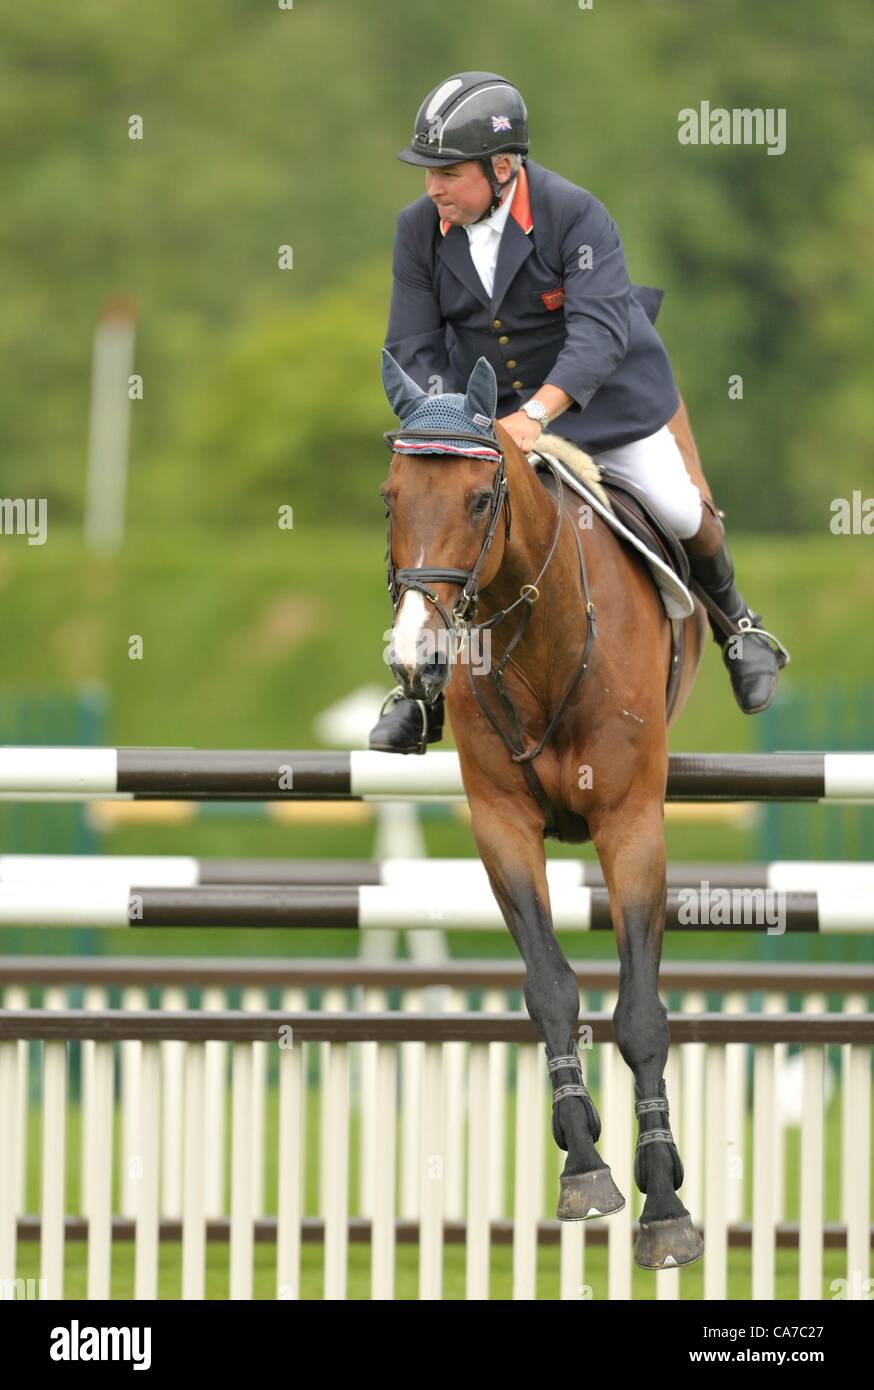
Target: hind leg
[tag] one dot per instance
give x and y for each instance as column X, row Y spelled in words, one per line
column 512, row 851
column 631, row 847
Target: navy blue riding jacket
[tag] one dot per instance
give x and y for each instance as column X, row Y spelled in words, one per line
column 563, row 311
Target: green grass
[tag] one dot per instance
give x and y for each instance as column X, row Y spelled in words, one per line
column 407, row 1273
column 264, row 1274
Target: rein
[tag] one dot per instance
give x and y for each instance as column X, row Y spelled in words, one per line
column 465, row 607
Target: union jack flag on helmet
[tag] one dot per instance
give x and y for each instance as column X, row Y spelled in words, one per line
column 501, row 123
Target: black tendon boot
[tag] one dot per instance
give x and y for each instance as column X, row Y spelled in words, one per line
column 408, row 726
column 752, row 655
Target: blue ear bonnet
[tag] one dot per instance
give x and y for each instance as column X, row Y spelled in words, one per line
column 448, row 413
column 472, row 413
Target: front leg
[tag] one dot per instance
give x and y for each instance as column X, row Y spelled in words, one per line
column 631, row 847
column 513, row 853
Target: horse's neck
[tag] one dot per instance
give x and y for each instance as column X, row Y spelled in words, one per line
column 532, row 533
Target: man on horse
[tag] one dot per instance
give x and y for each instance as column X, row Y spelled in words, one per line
column 504, row 259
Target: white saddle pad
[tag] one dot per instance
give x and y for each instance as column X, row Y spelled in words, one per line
column 677, row 601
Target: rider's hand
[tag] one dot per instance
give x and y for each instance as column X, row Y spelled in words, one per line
column 522, row 430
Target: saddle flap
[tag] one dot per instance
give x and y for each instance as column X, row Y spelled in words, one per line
column 641, row 518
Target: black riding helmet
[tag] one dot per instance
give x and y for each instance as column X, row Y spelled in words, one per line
column 472, row 115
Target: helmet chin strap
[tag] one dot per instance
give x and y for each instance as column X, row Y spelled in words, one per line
column 497, row 189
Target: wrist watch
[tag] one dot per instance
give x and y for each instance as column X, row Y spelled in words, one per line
column 536, row 410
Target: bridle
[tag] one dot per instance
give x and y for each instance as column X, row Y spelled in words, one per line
column 420, row 576
column 459, row 622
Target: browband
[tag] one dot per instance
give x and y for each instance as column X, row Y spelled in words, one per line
column 485, row 441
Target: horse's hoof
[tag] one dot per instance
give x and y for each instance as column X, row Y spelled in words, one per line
column 586, row 1195
column 668, row 1244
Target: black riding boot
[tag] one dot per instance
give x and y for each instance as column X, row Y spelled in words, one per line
column 752, row 661
column 408, row 726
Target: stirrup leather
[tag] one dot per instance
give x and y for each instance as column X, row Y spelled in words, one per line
column 572, row 1061
column 648, row 1106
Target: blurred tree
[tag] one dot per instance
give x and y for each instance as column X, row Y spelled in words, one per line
column 264, row 127
column 291, row 412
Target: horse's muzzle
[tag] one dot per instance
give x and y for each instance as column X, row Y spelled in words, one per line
column 424, row 681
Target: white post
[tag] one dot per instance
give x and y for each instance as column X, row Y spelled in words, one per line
column 106, row 484
column 812, row 1206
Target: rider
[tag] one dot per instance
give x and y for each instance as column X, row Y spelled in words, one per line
column 502, row 258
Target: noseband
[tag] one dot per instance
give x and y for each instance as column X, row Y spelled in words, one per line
column 421, row 576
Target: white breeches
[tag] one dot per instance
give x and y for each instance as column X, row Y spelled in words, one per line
column 656, row 466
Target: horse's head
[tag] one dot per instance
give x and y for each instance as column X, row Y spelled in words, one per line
column 444, row 495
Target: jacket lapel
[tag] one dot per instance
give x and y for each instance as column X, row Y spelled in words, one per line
column 454, row 251
column 515, row 246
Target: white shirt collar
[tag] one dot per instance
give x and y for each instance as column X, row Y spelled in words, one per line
column 497, row 221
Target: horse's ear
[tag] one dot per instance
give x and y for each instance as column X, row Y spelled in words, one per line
column 403, row 393
column 482, row 390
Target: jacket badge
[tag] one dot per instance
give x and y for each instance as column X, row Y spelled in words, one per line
column 553, row 299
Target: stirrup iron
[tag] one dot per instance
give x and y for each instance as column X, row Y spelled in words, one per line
column 396, row 696
column 748, row 627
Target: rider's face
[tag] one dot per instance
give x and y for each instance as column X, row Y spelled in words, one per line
column 461, row 192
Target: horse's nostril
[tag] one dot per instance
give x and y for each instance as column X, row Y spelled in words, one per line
column 435, row 668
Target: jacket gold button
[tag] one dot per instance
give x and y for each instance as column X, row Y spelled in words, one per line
column 496, row 323
column 517, row 385
column 511, row 363
column 503, row 340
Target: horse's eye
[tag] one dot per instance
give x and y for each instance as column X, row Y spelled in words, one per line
column 481, row 506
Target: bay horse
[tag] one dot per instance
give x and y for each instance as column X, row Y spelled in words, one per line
column 581, row 655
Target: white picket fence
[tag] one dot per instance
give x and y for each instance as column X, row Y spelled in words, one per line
column 430, row 1103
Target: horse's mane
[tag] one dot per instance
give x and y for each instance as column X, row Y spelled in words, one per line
column 573, row 457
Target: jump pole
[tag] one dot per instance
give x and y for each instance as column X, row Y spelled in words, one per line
column 185, row 871
column 366, row 907
column 277, row 774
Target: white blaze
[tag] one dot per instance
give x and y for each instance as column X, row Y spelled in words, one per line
column 409, row 625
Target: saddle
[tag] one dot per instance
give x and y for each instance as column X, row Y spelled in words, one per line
column 637, row 513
